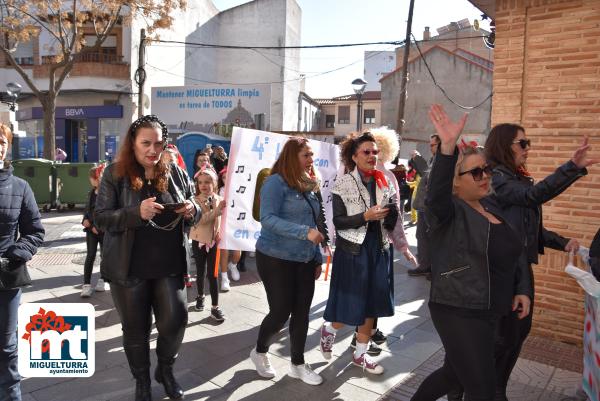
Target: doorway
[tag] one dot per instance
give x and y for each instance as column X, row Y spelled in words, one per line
column 76, row 140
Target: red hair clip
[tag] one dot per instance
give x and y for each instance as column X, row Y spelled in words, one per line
column 463, row 145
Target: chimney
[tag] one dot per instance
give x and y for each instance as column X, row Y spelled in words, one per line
column 426, row 34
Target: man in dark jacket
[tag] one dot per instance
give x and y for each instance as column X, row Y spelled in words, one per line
column 21, row 233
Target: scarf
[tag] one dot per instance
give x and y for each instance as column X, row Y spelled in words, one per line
column 377, row 175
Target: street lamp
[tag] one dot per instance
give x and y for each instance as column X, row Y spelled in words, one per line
column 13, row 90
column 359, row 86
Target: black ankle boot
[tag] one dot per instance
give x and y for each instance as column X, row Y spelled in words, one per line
column 164, row 375
column 143, row 390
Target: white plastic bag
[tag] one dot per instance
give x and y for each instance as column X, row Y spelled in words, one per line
column 586, row 280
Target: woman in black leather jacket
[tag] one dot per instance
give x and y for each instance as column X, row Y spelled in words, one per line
column 507, row 149
column 144, row 256
column 473, row 268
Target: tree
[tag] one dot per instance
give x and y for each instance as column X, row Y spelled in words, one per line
column 70, row 23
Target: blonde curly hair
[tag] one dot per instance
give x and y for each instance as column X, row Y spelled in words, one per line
column 387, row 142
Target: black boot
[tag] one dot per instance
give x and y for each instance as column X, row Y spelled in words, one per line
column 143, row 391
column 164, row 375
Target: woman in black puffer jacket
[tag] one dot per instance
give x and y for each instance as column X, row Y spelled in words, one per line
column 21, row 233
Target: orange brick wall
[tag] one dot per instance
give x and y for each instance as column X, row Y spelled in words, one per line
column 547, row 78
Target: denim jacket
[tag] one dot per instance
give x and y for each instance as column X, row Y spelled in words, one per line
column 286, row 217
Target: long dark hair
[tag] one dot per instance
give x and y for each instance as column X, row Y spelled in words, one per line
column 350, row 145
column 288, row 166
column 498, row 146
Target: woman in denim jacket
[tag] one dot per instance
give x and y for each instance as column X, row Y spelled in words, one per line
column 287, row 254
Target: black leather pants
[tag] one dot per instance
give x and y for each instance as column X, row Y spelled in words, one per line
column 168, row 299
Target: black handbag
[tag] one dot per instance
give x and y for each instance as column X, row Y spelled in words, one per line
column 13, row 274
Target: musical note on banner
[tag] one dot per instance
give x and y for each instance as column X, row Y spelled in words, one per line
column 242, row 216
column 335, row 178
column 329, row 198
column 233, row 203
column 241, row 190
column 249, row 177
column 326, row 184
column 240, row 169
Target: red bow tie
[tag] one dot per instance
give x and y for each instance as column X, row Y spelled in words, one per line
column 377, row 175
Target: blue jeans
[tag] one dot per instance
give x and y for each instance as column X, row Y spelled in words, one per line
column 10, row 389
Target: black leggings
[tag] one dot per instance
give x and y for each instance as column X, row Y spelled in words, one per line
column 92, row 240
column 167, row 298
column 290, row 287
column 469, row 345
column 202, row 258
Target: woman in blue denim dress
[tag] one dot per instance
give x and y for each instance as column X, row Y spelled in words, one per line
column 288, row 256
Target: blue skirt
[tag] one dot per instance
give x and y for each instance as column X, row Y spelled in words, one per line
column 362, row 286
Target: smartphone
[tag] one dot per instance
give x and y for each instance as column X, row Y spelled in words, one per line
column 173, row 206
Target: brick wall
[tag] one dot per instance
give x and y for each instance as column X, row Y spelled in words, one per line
column 547, row 78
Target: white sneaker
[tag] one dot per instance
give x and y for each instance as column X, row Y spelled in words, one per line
column 233, row 270
column 305, row 373
column 262, row 363
column 101, row 286
column 86, row 291
column 225, row 284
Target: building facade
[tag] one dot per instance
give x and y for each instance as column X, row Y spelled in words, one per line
column 378, row 64
column 547, row 79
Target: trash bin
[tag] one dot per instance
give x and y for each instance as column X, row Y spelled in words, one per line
column 41, row 176
column 72, row 183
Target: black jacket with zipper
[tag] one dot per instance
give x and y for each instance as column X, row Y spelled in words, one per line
column 521, row 201
column 117, row 214
column 460, row 237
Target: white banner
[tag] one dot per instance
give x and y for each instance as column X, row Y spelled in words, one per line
column 252, row 151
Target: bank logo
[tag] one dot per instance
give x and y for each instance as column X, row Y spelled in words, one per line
column 56, row 340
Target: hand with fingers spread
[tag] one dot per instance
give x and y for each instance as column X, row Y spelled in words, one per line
column 580, row 157
column 448, row 130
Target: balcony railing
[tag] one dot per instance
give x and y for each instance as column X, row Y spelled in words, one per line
column 102, row 58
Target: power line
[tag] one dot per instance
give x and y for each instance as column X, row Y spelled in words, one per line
column 210, row 45
column 443, row 90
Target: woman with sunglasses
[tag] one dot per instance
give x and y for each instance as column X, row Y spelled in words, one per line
column 473, row 268
column 144, row 250
column 364, row 209
column 507, row 149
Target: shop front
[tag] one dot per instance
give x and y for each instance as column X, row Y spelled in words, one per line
column 85, row 133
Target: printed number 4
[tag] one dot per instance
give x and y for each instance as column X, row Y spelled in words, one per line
column 258, row 147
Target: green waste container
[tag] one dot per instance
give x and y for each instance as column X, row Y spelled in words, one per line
column 41, row 176
column 73, row 183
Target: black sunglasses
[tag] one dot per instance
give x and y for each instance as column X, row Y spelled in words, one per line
column 524, row 143
column 477, row 172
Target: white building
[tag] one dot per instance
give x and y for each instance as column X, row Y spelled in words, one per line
column 378, row 64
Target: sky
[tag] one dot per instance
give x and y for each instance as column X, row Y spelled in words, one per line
column 354, row 21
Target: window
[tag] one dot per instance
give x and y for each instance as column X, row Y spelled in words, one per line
column 369, row 116
column 330, row 121
column 344, row 114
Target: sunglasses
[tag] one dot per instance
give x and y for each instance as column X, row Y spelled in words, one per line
column 477, row 172
column 369, row 152
column 524, row 143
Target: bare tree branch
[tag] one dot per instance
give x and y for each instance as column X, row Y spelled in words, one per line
column 21, row 72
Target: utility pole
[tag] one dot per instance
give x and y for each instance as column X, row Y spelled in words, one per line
column 140, row 73
column 402, row 101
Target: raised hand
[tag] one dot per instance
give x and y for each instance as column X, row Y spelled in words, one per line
column 448, row 130
column 580, row 157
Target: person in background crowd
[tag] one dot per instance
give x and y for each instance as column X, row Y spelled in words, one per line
column 423, row 168
column 412, row 179
column 474, row 267
column 364, row 211
column 60, row 155
column 173, row 153
column 399, row 171
column 507, row 149
column 595, row 255
column 219, row 158
column 201, row 158
column 93, row 236
column 21, row 233
column 229, row 259
column 205, row 238
column 143, row 205
column 287, row 254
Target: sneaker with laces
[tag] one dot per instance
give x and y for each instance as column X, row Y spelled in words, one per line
column 373, row 350
column 225, row 284
column 233, row 270
column 305, row 373
column 368, row 364
column 199, row 303
column 378, row 338
column 187, row 279
column 86, row 291
column 101, row 286
column 262, row 363
column 217, row 314
column 327, row 340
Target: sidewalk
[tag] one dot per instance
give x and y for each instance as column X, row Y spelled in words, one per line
column 214, row 363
